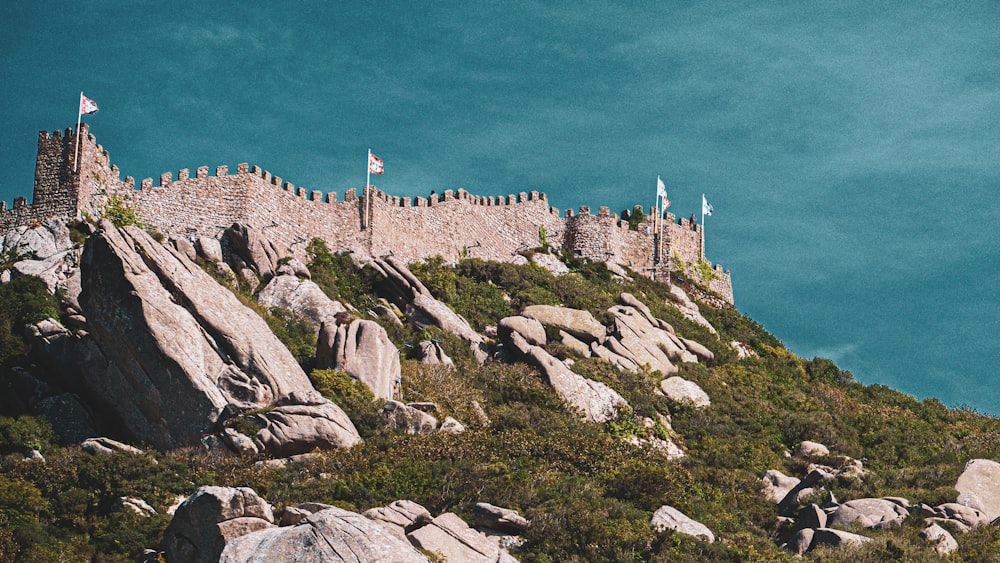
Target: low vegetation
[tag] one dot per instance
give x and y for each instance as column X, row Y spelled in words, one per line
column 588, row 492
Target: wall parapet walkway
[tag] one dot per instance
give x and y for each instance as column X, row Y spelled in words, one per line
column 452, row 223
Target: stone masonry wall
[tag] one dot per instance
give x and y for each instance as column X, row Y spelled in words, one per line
column 456, row 223
column 451, row 224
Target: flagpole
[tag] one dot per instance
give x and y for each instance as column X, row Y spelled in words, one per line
column 659, row 218
column 79, row 114
column 703, row 200
column 368, row 182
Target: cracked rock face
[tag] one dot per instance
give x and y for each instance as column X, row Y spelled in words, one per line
column 979, row 487
column 210, row 518
column 331, row 535
column 168, row 347
column 363, row 350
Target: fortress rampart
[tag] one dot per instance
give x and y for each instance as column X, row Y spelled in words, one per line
column 450, row 224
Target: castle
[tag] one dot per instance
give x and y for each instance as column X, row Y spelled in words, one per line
column 451, row 224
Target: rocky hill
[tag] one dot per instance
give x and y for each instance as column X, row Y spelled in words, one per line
column 207, row 399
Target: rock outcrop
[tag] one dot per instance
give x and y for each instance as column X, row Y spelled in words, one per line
column 432, row 353
column 776, row 485
column 500, row 519
column 249, row 247
column 979, row 487
column 45, row 251
column 668, row 517
column 448, row 536
column 406, row 292
column 532, row 330
column 363, row 350
column 303, row 422
column 302, row 296
column 689, row 309
column 408, row 419
column 332, row 534
column 837, row 538
column 581, row 324
column 681, row 390
column 107, row 446
column 940, row 538
column 167, row 349
column 209, row 519
column 811, row 449
column 401, row 516
column 962, row 517
column 596, row 401
column 875, row 513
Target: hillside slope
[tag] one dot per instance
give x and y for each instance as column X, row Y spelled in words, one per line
column 589, row 489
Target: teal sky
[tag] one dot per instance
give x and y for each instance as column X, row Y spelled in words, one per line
column 850, row 149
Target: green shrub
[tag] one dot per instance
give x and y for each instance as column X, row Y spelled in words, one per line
column 351, row 395
column 297, row 333
column 21, row 433
column 338, row 277
column 119, row 211
column 23, row 300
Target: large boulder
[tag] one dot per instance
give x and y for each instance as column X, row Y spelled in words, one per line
column 363, row 350
column 301, row 296
column 963, row 517
column 432, row 353
column 406, row 292
column 209, row 248
column 169, row 348
column 940, row 538
column 642, row 342
column 811, row 449
column 500, row 519
column 877, row 513
column 302, row 423
column 837, row 538
column 594, row 400
column 776, row 485
column 38, row 242
column 579, row 323
column 254, row 249
column 979, row 487
column 450, row 538
column 408, row 419
column 44, row 250
column 681, row 390
column 801, row 541
column 550, row 263
column 668, row 517
column 401, row 516
column 689, row 309
column 532, row 330
column 209, row 519
column 333, row 534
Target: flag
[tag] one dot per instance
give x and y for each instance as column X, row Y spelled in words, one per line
column 661, row 192
column 375, row 165
column 87, row 106
column 706, row 208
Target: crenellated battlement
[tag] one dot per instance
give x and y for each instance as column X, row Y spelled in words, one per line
column 452, row 223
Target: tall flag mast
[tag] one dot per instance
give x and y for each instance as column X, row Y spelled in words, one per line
column 662, row 203
column 375, row 166
column 706, row 211
column 87, row 106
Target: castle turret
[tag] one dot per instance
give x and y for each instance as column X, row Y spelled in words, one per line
column 56, row 185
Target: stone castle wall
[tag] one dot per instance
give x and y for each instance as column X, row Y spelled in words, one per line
column 451, row 224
